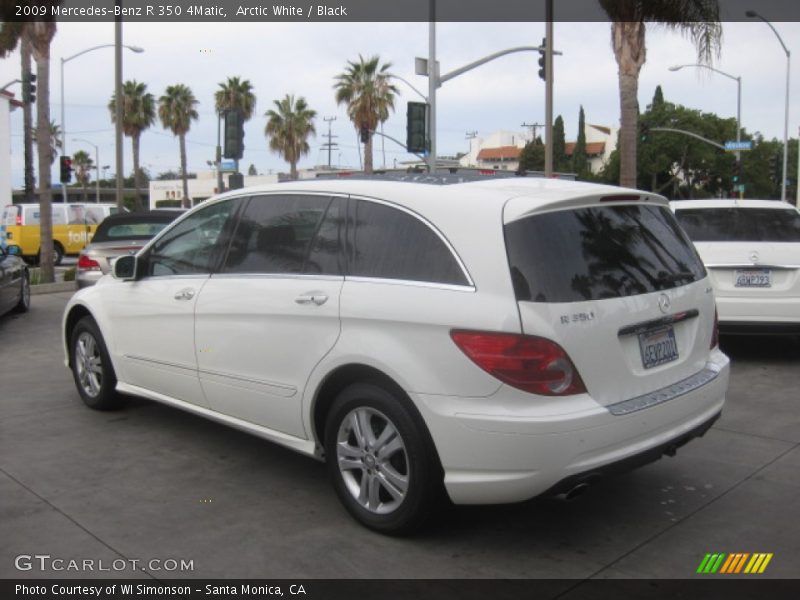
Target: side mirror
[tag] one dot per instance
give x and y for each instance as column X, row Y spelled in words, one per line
column 14, row 250
column 124, row 267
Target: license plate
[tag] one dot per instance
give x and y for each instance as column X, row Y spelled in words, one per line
column 658, row 347
column 753, row 278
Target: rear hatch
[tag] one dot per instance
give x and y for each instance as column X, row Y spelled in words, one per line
column 616, row 282
column 748, row 251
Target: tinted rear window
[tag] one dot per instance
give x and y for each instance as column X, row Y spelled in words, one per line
column 130, row 230
column 599, row 252
column 740, row 224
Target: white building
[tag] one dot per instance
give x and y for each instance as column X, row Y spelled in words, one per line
column 7, row 104
column 501, row 149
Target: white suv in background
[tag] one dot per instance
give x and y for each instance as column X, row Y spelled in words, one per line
column 494, row 340
column 751, row 249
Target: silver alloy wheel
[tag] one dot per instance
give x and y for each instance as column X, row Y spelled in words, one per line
column 88, row 364
column 372, row 460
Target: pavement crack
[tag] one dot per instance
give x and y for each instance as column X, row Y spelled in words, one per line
column 71, row 519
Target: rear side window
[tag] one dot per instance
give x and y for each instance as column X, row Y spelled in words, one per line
column 388, row 243
column 740, row 224
column 10, row 215
column 599, row 252
column 130, row 230
column 288, row 234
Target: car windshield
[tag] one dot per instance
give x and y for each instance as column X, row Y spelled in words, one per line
column 599, row 252
column 128, row 229
column 740, row 224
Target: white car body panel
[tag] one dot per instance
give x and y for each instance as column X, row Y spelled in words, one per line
column 243, row 352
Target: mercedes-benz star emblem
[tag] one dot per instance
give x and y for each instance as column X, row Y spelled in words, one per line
column 664, row 303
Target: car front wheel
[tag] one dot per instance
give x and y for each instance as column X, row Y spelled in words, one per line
column 381, row 460
column 91, row 367
column 24, row 295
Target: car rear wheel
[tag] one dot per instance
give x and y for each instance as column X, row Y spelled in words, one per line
column 24, row 295
column 381, row 460
column 91, row 367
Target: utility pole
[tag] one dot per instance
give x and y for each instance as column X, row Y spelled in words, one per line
column 533, row 127
column 433, row 83
column 118, row 106
column 330, row 145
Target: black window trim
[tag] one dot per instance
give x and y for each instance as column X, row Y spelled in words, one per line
column 470, row 286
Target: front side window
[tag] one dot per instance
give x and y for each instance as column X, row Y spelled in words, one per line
column 190, row 247
column 290, row 234
column 740, row 224
column 599, row 252
column 388, row 243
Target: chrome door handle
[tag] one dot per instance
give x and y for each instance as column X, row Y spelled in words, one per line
column 185, row 294
column 317, row 298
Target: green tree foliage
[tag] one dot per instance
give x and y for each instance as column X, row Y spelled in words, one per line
column 176, row 109
column 235, row 93
column 580, row 163
column 138, row 114
column 288, row 127
column 561, row 162
column 366, row 88
column 531, row 158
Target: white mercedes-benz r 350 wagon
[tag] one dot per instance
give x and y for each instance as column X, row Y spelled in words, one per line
column 487, row 341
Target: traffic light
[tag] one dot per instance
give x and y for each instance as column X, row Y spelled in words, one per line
column 543, row 60
column 66, row 169
column 644, row 131
column 364, row 134
column 737, row 171
column 417, row 127
column 28, row 88
column 774, row 174
column 234, row 134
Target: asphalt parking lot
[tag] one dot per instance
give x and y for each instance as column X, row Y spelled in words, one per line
column 151, row 482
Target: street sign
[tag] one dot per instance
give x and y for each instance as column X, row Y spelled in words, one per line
column 733, row 145
column 227, row 165
column 739, row 188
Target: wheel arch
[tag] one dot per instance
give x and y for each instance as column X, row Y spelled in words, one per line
column 75, row 314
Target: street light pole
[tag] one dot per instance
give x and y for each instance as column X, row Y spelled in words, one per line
column 754, row 14
column 136, row 49
column 738, row 81
column 96, row 167
column 433, row 83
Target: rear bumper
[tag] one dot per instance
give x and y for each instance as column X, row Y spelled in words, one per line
column 761, row 315
column 513, row 446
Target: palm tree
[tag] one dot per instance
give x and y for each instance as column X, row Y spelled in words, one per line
column 235, row 94
column 83, row 164
column 55, row 140
column 288, row 128
column 697, row 18
column 138, row 113
column 176, row 109
column 367, row 90
column 41, row 34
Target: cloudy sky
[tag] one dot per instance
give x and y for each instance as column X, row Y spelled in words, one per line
column 303, row 58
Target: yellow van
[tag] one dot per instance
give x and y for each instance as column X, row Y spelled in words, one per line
column 73, row 227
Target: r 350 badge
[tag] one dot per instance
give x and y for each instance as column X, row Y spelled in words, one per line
column 581, row 317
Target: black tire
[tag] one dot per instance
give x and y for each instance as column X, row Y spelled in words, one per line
column 369, row 482
column 58, row 254
column 91, row 367
column 24, row 294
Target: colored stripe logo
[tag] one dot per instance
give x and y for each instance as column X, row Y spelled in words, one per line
column 735, row 563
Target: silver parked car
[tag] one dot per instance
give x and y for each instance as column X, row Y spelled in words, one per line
column 117, row 235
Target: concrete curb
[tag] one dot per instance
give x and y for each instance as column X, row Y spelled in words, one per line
column 52, row 288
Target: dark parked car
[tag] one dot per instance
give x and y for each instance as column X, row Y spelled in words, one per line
column 15, row 285
column 117, row 235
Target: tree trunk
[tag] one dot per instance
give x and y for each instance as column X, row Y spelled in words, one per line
column 85, row 189
column 187, row 203
column 629, row 50
column 368, row 156
column 137, row 180
column 293, row 170
column 27, row 118
column 45, row 161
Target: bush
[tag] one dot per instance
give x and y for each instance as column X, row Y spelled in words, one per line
column 69, row 274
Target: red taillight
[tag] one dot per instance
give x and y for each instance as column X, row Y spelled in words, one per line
column 715, row 332
column 87, row 264
column 19, row 219
column 532, row 364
